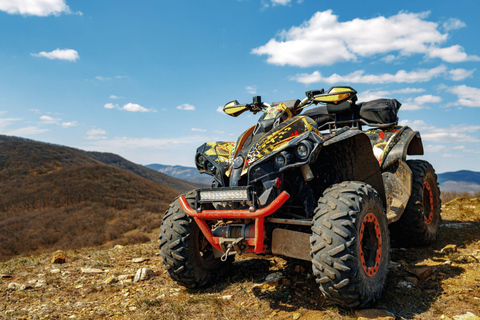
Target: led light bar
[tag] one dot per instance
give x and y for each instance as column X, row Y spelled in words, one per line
column 224, row 195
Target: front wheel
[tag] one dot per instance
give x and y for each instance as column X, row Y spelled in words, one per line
column 186, row 253
column 350, row 244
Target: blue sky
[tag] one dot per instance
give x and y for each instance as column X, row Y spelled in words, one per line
column 145, row 79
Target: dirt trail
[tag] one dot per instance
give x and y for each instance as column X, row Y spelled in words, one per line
column 423, row 283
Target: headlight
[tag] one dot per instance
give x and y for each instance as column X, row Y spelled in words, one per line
column 238, row 162
column 200, row 160
column 303, row 150
column 224, row 195
column 280, row 160
column 210, row 167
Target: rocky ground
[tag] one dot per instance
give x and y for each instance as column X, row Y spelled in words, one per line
column 437, row 282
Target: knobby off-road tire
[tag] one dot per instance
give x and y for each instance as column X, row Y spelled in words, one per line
column 186, row 253
column 350, row 244
column 419, row 223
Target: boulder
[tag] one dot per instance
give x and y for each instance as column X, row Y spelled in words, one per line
column 143, row 274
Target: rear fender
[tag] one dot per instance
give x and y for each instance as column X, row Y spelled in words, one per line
column 396, row 174
column 407, row 142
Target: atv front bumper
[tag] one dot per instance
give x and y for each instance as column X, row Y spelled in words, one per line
column 256, row 244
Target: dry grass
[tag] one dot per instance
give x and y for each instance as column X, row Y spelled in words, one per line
column 448, row 196
column 54, row 197
column 451, row 290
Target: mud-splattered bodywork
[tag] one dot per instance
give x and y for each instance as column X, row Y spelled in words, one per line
column 258, row 144
column 376, row 156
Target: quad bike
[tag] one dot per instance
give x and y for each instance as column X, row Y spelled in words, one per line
column 308, row 185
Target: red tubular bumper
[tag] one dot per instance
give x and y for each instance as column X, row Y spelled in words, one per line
column 258, row 215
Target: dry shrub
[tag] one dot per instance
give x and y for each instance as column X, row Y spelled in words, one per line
column 447, row 196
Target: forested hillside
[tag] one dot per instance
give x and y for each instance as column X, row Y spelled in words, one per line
column 54, row 197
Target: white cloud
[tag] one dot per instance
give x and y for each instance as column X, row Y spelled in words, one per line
column 110, row 105
column 96, row 134
column 460, row 74
column 176, row 150
column 59, row 54
column 455, row 134
column 453, row 24
column 114, row 97
column 220, row 109
column 452, row 54
column 434, row 148
column 471, row 151
column 323, row 40
column 407, row 104
column 104, row 78
column 5, row 122
column 100, row 78
column 186, row 106
column 402, row 76
column 251, row 89
column 69, row 124
column 267, row 3
column 427, row 98
column 26, row 131
column 418, row 103
column 388, row 59
column 133, row 107
column 34, row 7
column 198, row 130
column 410, row 106
column 49, row 120
column 119, row 143
column 281, row 2
column 467, row 96
column 220, row 132
column 372, row 95
column 409, row 90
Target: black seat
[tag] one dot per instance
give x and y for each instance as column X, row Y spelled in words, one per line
column 320, row 115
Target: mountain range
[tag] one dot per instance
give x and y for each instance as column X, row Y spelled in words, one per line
column 185, row 173
column 459, row 181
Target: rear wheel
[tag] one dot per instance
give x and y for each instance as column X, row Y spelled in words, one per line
column 350, row 244
column 419, row 223
column 186, row 253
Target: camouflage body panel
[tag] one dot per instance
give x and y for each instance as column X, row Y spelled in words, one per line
column 382, row 140
column 279, row 138
column 275, row 111
column 219, row 152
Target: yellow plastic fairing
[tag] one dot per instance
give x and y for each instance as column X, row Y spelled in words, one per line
column 234, row 109
column 336, row 95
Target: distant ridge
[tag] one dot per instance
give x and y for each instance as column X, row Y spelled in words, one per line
column 460, row 181
column 185, row 173
column 178, row 183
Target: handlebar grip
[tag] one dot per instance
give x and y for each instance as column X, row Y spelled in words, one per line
column 312, row 93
